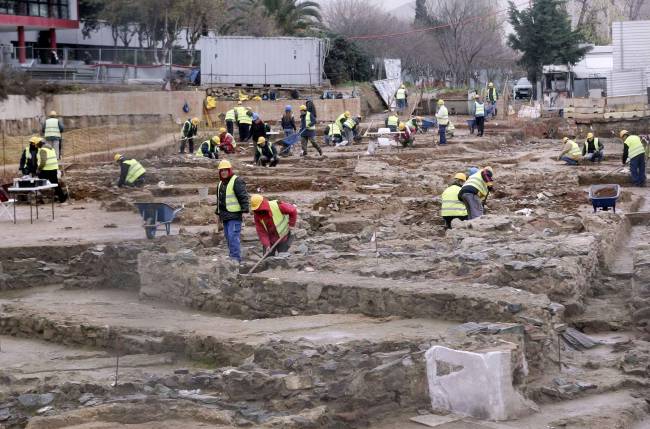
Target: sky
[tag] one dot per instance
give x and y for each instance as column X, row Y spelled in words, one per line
column 399, row 8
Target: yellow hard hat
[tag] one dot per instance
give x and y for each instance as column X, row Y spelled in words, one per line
column 261, row 141
column 461, row 176
column 441, row 102
column 35, row 139
column 256, row 201
column 117, row 157
column 52, row 112
column 224, row 164
column 590, row 136
column 303, row 107
column 195, row 121
column 222, row 130
column 564, row 139
column 347, row 114
column 490, row 84
column 216, row 139
column 402, row 126
column 624, row 133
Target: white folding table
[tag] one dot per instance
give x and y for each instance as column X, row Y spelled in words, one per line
column 35, row 190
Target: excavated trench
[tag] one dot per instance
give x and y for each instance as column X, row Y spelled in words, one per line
column 337, row 334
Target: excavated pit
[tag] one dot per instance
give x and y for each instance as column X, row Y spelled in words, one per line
column 337, row 333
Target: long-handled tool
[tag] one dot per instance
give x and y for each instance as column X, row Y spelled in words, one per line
column 268, row 252
column 617, row 169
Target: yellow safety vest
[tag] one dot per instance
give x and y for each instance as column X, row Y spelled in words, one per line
column 451, row 206
column 495, row 95
column 52, row 128
column 401, row 94
column 341, row 118
column 443, row 116
column 335, row 129
column 476, row 181
column 135, row 171
column 280, row 220
column 634, row 146
column 51, row 163
column 199, row 151
column 232, row 203
column 308, row 120
column 479, row 109
column 596, row 145
column 393, row 121
column 28, row 154
column 230, row 115
column 350, row 123
column 575, row 151
column 245, row 119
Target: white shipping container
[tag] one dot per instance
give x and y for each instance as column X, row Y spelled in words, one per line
column 631, row 42
column 290, row 61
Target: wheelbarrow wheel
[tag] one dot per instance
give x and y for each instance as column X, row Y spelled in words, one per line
column 150, row 230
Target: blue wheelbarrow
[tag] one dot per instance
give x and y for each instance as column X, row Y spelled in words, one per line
column 428, row 123
column 287, row 144
column 604, row 196
column 156, row 215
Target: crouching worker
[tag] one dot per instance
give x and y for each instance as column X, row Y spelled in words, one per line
column 209, row 148
column 131, row 171
column 227, row 143
column 265, row 153
column 405, row 136
column 571, row 153
column 593, row 149
column 451, row 206
column 273, row 220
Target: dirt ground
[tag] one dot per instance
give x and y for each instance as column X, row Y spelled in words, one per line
column 335, row 333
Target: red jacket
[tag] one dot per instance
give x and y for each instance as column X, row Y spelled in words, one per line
column 268, row 236
column 225, row 143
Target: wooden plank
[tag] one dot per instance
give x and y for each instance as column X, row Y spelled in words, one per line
column 585, row 102
column 583, row 115
column 627, row 99
column 625, row 115
column 589, row 109
column 626, row 108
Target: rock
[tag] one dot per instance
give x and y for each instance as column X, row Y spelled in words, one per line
column 641, row 314
column 182, row 371
column 298, row 382
column 44, row 409
column 31, row 400
column 163, row 391
column 330, row 227
column 85, row 398
column 514, row 308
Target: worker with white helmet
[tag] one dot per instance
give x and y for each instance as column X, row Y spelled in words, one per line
column 593, row 149
column 273, row 222
column 232, row 203
column 53, row 132
column 132, row 173
column 443, row 120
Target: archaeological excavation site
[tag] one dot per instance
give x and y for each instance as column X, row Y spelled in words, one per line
column 535, row 315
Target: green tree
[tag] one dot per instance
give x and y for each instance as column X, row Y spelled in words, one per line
column 543, row 35
column 346, row 61
column 291, row 17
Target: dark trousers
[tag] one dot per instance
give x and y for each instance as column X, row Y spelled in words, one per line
column 310, row 139
column 637, row 170
column 243, row 132
column 264, row 161
column 283, row 246
column 52, row 177
column 442, row 132
column 480, row 124
column 448, row 220
column 190, row 143
column 211, row 155
column 230, row 126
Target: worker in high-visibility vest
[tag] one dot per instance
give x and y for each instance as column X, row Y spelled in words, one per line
column 392, row 121
column 273, row 222
column 308, row 131
column 48, row 167
column 209, row 148
column 188, row 132
column 479, row 115
column 244, row 122
column 53, row 132
column 232, row 203
column 28, row 159
column 230, row 118
column 405, row 137
column 451, row 207
column 443, row 121
column 571, row 153
column 593, row 149
column 131, row 171
column 332, row 134
column 265, row 153
column 635, row 152
column 491, row 97
column 227, row 143
column 475, row 191
column 401, row 99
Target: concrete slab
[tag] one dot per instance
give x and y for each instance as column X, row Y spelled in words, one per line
column 434, row 420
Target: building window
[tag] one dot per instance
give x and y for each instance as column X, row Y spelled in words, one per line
column 42, row 8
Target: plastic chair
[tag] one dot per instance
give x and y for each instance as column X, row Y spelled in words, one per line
column 6, row 204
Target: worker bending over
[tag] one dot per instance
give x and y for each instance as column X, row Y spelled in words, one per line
column 244, row 122
column 131, row 171
column 332, row 134
column 593, row 149
column 350, row 127
column 451, row 206
column 443, row 120
column 571, row 153
column 53, row 132
column 209, row 148
column 414, row 123
column 188, row 132
column 634, row 152
column 231, row 118
column 48, row 167
column 340, row 120
column 29, row 157
column 405, row 136
column 273, row 220
column 392, row 121
column 308, row 131
column 227, row 143
column 475, row 190
column 265, row 153
column 232, row 203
